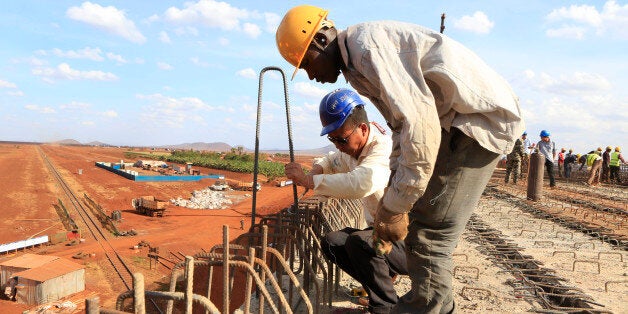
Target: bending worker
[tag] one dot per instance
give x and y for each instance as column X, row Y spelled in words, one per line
column 451, row 118
column 358, row 168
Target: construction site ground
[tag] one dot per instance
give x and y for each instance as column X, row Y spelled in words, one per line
column 481, row 284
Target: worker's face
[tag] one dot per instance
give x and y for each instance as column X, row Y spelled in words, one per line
column 321, row 60
column 349, row 138
column 545, row 138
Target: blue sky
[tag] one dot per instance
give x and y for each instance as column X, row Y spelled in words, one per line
column 171, row 72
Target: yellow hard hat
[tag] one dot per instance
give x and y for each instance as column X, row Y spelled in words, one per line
column 608, row 148
column 617, row 149
column 571, row 150
column 578, row 155
column 599, row 149
column 296, row 31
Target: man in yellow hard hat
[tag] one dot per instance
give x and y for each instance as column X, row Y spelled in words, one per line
column 452, row 116
column 606, row 159
column 594, row 160
column 614, row 164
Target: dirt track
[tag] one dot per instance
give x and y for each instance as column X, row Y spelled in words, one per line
column 30, row 192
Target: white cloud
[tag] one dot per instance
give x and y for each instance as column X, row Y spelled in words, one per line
column 109, row 114
column 477, row 23
column 247, row 73
column 580, row 109
column 17, row 93
column 94, row 54
column 571, row 32
column 272, row 22
column 207, row 12
column 75, row 105
column 40, row 109
column 198, row 62
column 164, row 38
column 164, row 66
column 586, row 14
column 221, row 15
column 309, row 90
column 223, row 41
column 108, row 19
column 172, row 112
column 152, row 18
column 573, row 83
column 251, row 30
column 116, row 58
column 611, row 20
column 64, row 72
column 6, row 84
column 187, row 30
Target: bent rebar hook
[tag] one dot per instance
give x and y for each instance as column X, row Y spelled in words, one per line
column 259, row 113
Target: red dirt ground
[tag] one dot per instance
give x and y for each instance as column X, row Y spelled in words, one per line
column 30, row 192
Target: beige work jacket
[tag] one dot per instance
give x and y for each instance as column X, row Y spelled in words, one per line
column 366, row 177
column 421, row 82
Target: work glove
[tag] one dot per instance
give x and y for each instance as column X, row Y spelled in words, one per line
column 388, row 227
column 295, row 173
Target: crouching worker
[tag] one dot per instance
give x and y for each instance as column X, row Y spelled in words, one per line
column 357, row 169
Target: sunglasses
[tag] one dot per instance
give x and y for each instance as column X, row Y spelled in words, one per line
column 341, row 140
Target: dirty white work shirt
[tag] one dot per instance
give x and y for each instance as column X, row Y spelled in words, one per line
column 526, row 146
column 366, row 177
column 548, row 149
column 421, row 82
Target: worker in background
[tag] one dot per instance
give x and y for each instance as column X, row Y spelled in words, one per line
column 357, row 169
column 451, row 117
column 570, row 159
column 561, row 161
column 614, row 164
column 547, row 147
column 606, row 159
column 513, row 161
column 582, row 159
column 528, row 146
column 594, row 160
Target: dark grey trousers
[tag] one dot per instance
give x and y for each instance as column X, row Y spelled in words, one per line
column 352, row 250
column 438, row 218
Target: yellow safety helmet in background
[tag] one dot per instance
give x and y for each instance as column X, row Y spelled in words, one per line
column 599, row 149
column 296, row 31
column 617, row 149
column 608, row 148
column 578, row 155
column 571, row 150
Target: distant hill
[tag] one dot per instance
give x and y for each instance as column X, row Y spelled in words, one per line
column 305, row 152
column 215, row 147
column 97, row 143
column 67, row 142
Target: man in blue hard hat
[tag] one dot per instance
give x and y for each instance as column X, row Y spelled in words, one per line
column 357, row 169
column 451, row 117
column 547, row 147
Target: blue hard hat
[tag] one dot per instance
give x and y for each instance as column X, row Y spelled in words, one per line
column 336, row 107
column 525, row 133
column 545, row 133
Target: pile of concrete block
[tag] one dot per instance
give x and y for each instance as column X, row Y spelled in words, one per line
column 204, row 199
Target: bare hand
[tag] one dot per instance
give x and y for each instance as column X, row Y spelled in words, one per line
column 297, row 175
